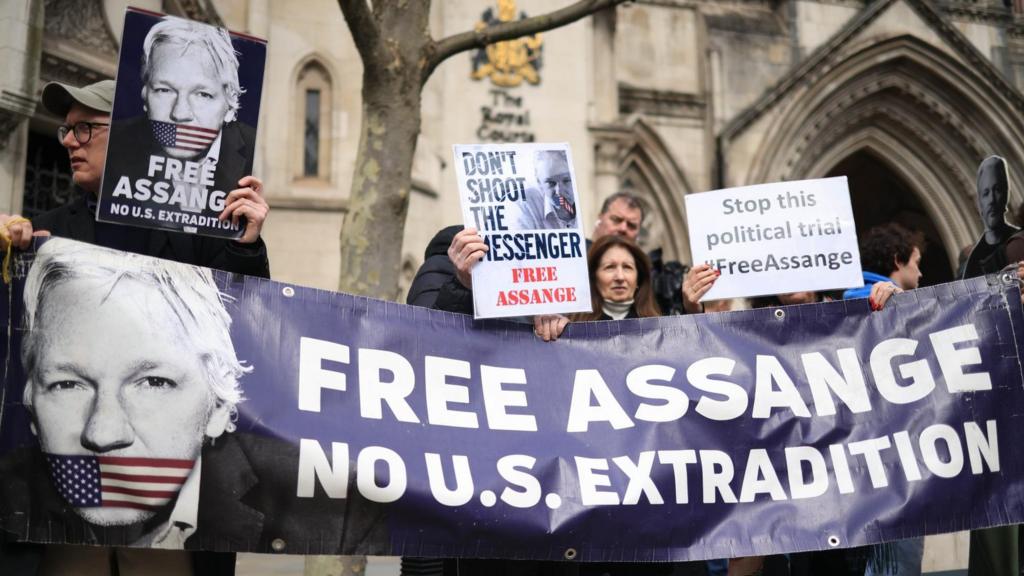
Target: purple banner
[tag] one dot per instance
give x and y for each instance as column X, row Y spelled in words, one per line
column 150, row 403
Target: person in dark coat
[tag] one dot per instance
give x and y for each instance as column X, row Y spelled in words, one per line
column 86, row 113
column 436, row 284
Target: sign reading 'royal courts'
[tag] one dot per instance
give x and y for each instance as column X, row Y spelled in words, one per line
column 504, row 116
column 183, row 128
column 150, row 403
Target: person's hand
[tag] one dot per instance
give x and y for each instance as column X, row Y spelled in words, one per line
column 696, row 284
column 880, row 294
column 466, row 249
column 549, row 326
column 247, row 200
column 17, row 230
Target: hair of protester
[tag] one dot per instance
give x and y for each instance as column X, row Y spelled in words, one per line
column 644, row 302
column 885, row 245
column 632, row 200
column 543, row 155
column 188, row 34
column 190, row 292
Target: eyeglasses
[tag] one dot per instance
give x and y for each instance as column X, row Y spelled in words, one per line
column 82, row 131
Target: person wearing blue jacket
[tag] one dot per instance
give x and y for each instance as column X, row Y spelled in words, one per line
column 889, row 253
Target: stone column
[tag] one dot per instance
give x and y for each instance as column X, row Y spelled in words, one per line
column 21, row 41
column 605, row 112
column 607, row 154
column 606, row 89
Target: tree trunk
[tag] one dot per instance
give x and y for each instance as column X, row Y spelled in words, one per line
column 398, row 54
column 380, row 186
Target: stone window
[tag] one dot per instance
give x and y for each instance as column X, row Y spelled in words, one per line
column 313, row 122
column 311, row 142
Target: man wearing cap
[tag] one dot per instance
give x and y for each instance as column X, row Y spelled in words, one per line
column 86, row 113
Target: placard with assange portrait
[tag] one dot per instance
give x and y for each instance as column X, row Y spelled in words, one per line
column 523, row 201
column 183, row 127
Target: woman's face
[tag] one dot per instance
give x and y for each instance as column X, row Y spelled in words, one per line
column 616, row 275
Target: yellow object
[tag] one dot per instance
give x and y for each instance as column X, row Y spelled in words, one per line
column 510, row 62
column 5, row 234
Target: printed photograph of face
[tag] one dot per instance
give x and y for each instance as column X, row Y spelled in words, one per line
column 550, row 203
column 555, row 179
column 190, row 84
column 126, row 356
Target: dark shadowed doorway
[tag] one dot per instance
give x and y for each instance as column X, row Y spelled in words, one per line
column 879, row 195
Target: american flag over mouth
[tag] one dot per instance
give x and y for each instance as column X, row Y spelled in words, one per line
column 118, row 482
column 183, row 136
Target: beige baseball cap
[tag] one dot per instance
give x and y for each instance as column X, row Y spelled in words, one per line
column 58, row 97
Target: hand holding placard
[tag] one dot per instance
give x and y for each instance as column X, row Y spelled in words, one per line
column 531, row 257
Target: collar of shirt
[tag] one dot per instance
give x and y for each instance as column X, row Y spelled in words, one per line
column 184, row 517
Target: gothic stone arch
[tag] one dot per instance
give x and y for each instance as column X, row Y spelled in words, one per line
column 648, row 169
column 930, row 117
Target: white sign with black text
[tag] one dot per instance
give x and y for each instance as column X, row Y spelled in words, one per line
column 776, row 238
column 522, row 199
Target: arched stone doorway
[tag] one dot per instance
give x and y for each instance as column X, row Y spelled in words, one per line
column 899, row 110
column 879, row 195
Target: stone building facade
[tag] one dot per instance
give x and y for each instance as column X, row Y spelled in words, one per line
column 661, row 97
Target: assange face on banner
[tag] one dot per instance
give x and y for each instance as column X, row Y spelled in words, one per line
column 131, row 369
column 554, row 178
column 190, row 85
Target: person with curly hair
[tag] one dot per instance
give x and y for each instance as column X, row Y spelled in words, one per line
column 890, row 256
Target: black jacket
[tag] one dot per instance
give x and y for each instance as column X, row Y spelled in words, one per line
column 435, row 285
column 246, row 501
column 77, row 222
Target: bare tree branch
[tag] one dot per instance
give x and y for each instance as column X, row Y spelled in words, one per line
column 442, row 50
column 364, row 29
